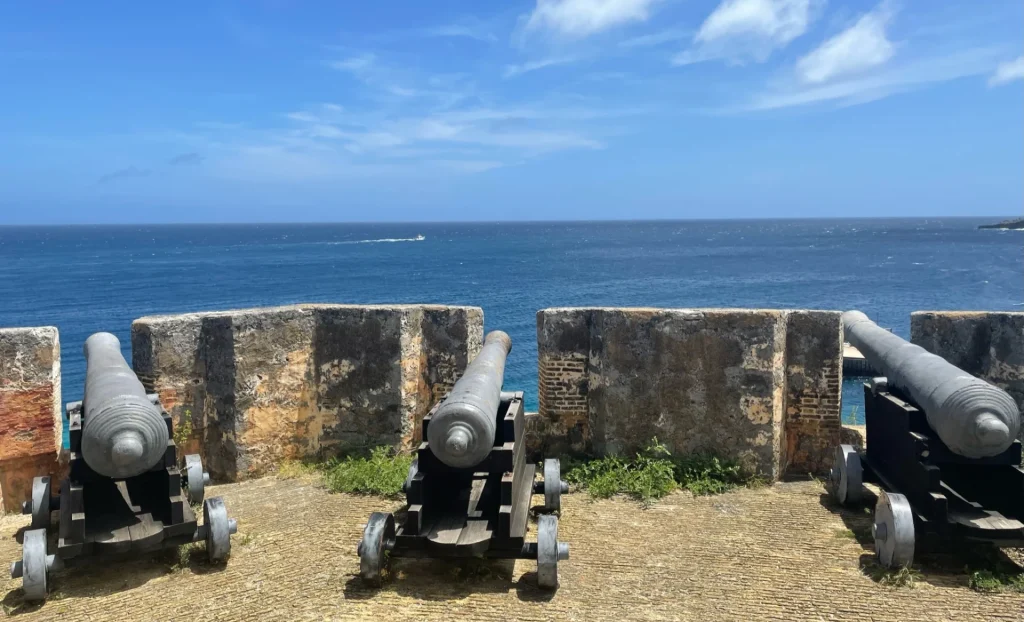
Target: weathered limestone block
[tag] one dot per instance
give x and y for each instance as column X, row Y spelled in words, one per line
column 758, row 385
column 708, row 379
column 31, row 425
column 814, row 378
column 258, row 386
column 989, row 345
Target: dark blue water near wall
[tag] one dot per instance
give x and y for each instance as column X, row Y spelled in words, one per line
column 88, row 279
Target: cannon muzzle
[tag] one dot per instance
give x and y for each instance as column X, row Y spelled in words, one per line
column 123, row 433
column 972, row 417
column 461, row 431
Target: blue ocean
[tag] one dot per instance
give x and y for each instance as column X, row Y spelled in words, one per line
column 84, row 279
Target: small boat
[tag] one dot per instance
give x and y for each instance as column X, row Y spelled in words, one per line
column 420, row 238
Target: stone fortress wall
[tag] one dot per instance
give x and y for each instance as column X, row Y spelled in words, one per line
column 254, row 387
column 258, row 386
column 30, row 410
column 758, row 385
column 985, row 344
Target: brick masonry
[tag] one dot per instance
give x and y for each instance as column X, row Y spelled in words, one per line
column 989, row 345
column 30, row 410
column 259, row 386
column 814, row 378
column 760, row 386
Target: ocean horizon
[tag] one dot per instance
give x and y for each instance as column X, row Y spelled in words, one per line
column 85, row 278
column 984, row 219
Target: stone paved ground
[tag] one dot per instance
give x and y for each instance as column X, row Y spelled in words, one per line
column 770, row 554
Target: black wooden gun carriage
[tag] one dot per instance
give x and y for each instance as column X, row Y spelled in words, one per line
column 124, row 492
column 927, row 485
column 470, row 486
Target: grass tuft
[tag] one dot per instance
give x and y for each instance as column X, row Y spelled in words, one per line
column 706, row 474
column 382, row 473
column 892, row 577
column 183, row 431
column 655, row 472
column 295, row 469
column 181, row 558
column 996, row 581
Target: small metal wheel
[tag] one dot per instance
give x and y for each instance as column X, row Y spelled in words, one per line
column 553, row 485
column 846, row 477
column 378, row 539
column 893, row 530
column 218, row 529
column 414, row 468
column 40, row 505
column 196, row 478
column 549, row 551
column 34, row 565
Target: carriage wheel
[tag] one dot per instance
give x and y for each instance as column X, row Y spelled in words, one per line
column 846, row 477
column 39, row 506
column 33, row 565
column 893, row 530
column 549, row 551
column 196, row 478
column 378, row 539
column 218, row 529
column 553, row 485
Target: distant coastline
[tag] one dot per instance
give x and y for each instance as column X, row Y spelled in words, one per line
column 1013, row 223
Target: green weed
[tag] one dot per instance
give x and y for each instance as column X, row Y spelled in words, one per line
column 892, row 577
column 655, row 472
column 706, row 474
column 996, row 581
column 295, row 469
column 382, row 473
column 183, row 431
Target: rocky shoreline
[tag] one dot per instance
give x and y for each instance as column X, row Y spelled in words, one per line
column 1013, row 223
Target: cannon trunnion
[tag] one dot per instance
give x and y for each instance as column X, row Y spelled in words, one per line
column 118, row 516
column 478, row 510
column 926, row 486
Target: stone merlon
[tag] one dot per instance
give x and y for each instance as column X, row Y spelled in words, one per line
column 30, row 410
column 759, row 386
column 258, row 386
column 989, row 345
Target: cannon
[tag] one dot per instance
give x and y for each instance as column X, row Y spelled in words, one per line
column 461, row 431
column 940, row 443
column 124, row 494
column 469, row 489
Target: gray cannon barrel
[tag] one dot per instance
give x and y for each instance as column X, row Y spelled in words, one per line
column 972, row 417
column 123, row 433
column 461, row 432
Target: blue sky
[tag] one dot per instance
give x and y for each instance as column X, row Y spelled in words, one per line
column 542, row 109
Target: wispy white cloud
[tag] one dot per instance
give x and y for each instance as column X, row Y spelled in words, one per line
column 530, row 131
column 576, row 19
column 517, row 70
column 358, row 65
column 1008, row 72
column 301, row 116
column 653, row 39
column 390, row 82
column 862, row 46
column 909, row 76
column 740, row 30
column 466, row 29
column 468, row 166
